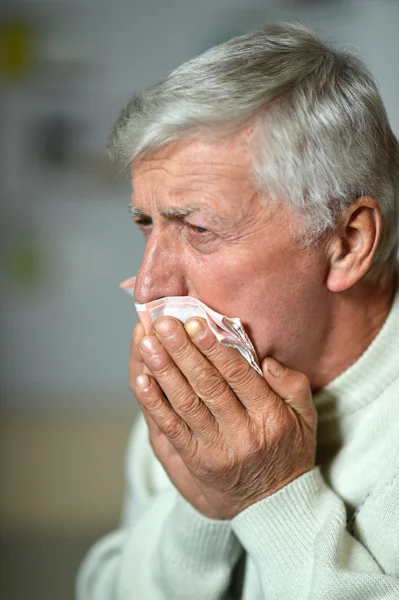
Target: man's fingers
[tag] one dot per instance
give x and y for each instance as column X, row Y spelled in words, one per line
column 208, row 385
column 138, row 334
column 136, row 364
column 171, row 379
column 292, row 386
column 160, row 415
column 246, row 383
column 153, row 429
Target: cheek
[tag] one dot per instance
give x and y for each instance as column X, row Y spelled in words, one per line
column 285, row 314
column 275, row 289
column 218, row 282
column 279, row 303
column 238, row 281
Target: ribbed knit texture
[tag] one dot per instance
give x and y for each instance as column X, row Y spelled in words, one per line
column 331, row 534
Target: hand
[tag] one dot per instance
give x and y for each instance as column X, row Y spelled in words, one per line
column 163, row 449
column 241, row 436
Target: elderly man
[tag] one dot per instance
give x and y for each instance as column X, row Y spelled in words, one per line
column 266, row 183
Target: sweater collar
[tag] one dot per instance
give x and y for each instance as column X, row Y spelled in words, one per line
column 369, row 376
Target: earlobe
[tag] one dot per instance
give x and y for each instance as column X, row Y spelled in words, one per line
column 354, row 243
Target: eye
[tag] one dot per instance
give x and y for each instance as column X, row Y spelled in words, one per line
column 197, row 229
column 143, row 222
column 145, row 226
column 139, row 217
column 200, row 238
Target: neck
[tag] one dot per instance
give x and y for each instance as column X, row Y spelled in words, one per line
column 357, row 315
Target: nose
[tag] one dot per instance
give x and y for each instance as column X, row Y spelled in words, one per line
column 161, row 271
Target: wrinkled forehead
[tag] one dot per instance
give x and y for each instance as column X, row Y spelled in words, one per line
column 213, row 174
column 220, row 157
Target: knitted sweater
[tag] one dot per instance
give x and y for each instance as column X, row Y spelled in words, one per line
column 332, row 533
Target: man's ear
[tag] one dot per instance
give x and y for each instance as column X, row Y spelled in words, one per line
column 353, row 245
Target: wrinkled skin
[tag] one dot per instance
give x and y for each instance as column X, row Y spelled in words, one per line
column 226, row 436
column 234, row 251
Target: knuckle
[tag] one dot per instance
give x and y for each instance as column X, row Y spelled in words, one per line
column 252, row 443
column 209, row 340
column 199, row 373
column 300, row 384
column 161, row 364
column 154, row 404
column 274, row 422
column 132, row 374
column 180, row 349
column 209, row 344
column 134, row 363
column 173, row 428
column 134, row 349
column 188, row 405
column 238, row 371
column 207, row 471
column 208, row 382
column 216, row 387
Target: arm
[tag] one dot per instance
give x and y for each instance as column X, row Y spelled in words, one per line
column 301, row 548
column 164, row 546
column 254, row 462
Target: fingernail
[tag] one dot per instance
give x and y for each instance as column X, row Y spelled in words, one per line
column 149, row 343
column 193, row 327
column 165, row 326
column 275, row 369
column 143, row 381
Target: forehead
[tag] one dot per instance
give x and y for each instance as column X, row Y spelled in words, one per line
column 190, row 163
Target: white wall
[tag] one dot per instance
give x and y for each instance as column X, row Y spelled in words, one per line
column 66, row 339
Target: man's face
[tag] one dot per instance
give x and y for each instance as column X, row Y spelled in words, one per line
column 211, row 235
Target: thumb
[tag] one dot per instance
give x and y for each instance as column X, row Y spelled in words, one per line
column 291, row 386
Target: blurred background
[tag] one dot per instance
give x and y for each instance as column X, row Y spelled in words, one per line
column 66, row 241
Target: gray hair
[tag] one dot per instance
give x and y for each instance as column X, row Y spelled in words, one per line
column 321, row 133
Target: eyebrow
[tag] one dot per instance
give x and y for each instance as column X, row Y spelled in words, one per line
column 135, row 212
column 178, row 213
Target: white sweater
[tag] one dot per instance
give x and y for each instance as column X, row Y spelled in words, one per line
column 332, row 533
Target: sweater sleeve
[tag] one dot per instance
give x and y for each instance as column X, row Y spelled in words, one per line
column 164, row 549
column 301, row 548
